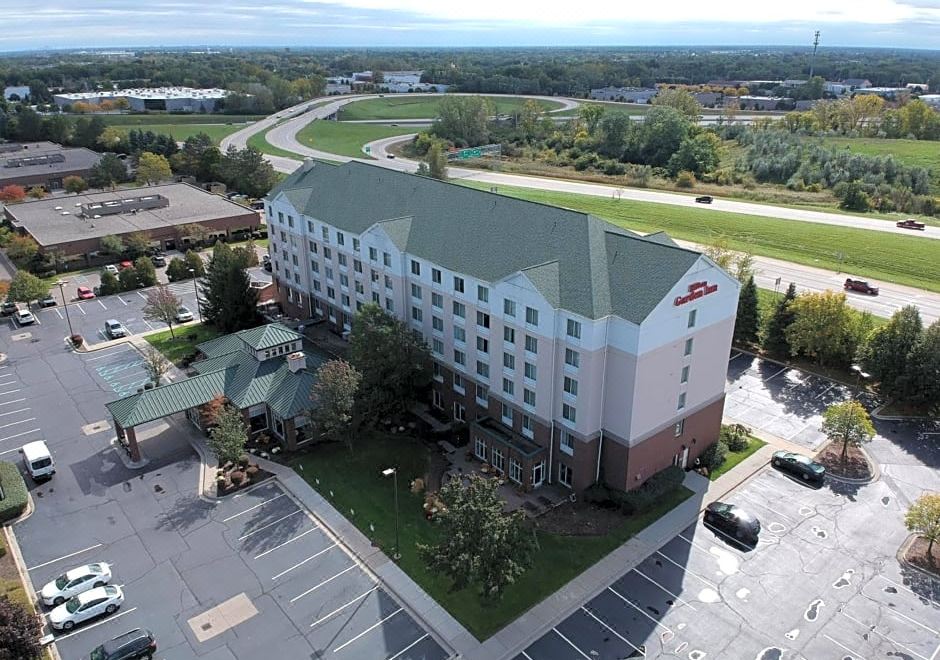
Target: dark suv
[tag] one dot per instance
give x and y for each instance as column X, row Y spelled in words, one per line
column 136, row 643
column 861, row 286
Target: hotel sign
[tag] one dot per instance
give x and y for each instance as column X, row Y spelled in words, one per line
column 696, row 290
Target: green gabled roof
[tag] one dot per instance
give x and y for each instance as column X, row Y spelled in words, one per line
column 598, row 268
column 159, row 402
column 260, row 338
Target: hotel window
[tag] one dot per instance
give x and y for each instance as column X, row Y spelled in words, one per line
column 330, row 293
column 483, row 294
column 566, row 443
column 280, row 217
column 290, row 221
column 483, row 394
column 345, row 300
column 460, row 412
column 437, row 300
column 679, row 427
column 388, row 282
column 416, row 314
column 389, row 305
column 313, row 247
column 314, row 266
column 327, row 253
column 507, row 414
column 415, row 268
column 373, row 254
column 329, row 273
column 688, row 346
column 340, row 238
column 498, row 459
column 438, row 347
column 387, row 259
column 326, row 233
column 342, row 259
column 316, row 286
column 571, row 386
column 294, row 260
column 460, row 310
column 375, row 296
column 483, row 344
column 509, row 335
column 574, row 329
column 509, row 307
column 515, row 470
column 692, row 315
column 460, row 334
column 528, row 427
column 460, row 358
column 681, row 401
column 458, row 383
column 344, row 280
column 355, row 244
column 458, row 284
column 438, row 373
column 685, row 374
column 483, row 369
column 531, row 316
column 357, row 265
column 437, row 400
column 415, row 291
column 569, row 413
column 483, row 319
column 509, row 387
column 297, row 278
column 572, row 358
column 531, row 344
column 283, row 237
column 309, row 227
column 528, row 397
column 530, row 371
column 436, row 276
column 564, row 475
column 479, row 449
column 270, row 211
column 361, row 290
column 509, row 361
column 437, row 323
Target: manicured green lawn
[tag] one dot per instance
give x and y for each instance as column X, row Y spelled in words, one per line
column 909, row 260
column 178, row 119
column 354, row 484
column 345, row 139
column 422, row 107
column 735, row 457
column 916, row 153
column 185, row 342
column 182, row 131
column 259, row 142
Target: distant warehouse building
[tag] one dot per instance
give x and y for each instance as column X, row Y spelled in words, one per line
column 43, row 164
column 169, row 99
column 76, row 224
column 623, row 94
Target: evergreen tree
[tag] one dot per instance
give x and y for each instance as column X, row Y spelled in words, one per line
column 229, row 302
column 775, row 338
column 885, row 352
column 747, row 323
column 921, row 384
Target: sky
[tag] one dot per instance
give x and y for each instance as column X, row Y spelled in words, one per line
column 28, row 25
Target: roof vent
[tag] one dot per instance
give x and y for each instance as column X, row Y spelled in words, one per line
column 296, row 361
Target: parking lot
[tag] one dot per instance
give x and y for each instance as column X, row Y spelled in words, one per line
column 120, row 369
column 19, row 418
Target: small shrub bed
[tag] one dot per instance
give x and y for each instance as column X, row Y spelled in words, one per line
column 641, row 499
column 15, row 495
column 235, row 476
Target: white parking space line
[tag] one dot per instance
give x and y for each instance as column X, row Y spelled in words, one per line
column 18, row 435
column 935, row 653
column 263, row 527
column 757, row 502
column 6, row 403
column 908, row 590
column 9, row 392
column 121, row 349
column 367, row 630
column 776, row 374
column 59, row 313
column 122, row 300
column 59, row 638
column 685, row 570
column 821, row 394
column 621, row 637
column 735, row 357
column 281, row 545
column 529, row 657
column 571, row 644
column 872, row 628
column 13, row 412
column 77, row 552
column 413, row 644
column 304, row 561
column 624, row 599
column 708, row 551
column 855, row 654
column 691, row 607
column 276, row 497
column 141, row 295
column 343, row 607
column 915, row 622
column 81, row 309
column 102, row 304
column 22, row 421
column 326, row 581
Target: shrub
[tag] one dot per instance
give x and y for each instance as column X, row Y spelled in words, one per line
column 237, row 477
column 243, row 460
column 252, row 472
column 15, row 495
column 685, row 179
column 77, row 340
column 735, row 436
column 714, row 455
column 600, row 495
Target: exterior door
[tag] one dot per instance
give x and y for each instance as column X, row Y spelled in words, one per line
column 685, row 458
column 538, row 474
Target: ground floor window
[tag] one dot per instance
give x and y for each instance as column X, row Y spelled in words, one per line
column 564, row 475
column 498, row 459
column 257, row 418
column 278, row 427
column 538, row 473
column 437, row 399
column 460, row 413
column 515, row 470
column 480, row 449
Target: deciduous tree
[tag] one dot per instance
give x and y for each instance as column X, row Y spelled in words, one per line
column 146, row 273
column 12, row 193
column 21, row 250
column 110, row 284
column 681, row 100
column 333, row 398
column 229, row 435
column 26, row 287
column 152, row 168
column 590, row 115
column 920, row 385
column 137, row 243
column 20, row 631
column 825, row 328
column 162, row 305
column 112, row 244
column 108, row 172
column 923, row 518
column 437, row 161
column 463, row 119
column 848, row 423
column 74, row 184
column 884, row 353
column 155, row 364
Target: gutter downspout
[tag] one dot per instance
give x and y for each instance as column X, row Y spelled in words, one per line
column 600, row 442
column 551, row 441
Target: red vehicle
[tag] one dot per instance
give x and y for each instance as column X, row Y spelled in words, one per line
column 124, row 265
column 910, row 224
column 861, row 286
column 84, row 293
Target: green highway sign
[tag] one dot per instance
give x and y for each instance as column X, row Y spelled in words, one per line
column 475, row 152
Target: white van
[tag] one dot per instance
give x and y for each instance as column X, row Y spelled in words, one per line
column 38, row 460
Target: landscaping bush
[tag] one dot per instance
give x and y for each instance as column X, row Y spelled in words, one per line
column 685, row 179
column 735, row 436
column 252, row 472
column 600, row 495
column 237, row 477
column 653, row 489
column 714, row 456
column 15, row 495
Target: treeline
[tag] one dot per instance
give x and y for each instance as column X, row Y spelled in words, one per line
column 866, row 116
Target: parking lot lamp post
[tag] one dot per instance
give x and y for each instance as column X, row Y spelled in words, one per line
column 393, row 472
column 192, row 271
column 65, row 304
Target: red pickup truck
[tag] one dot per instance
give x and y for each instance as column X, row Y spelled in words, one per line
column 910, row 224
column 860, row 285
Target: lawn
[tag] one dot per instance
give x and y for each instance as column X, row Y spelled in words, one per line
column 423, row 107
column 345, row 139
column 259, row 142
column 182, row 131
column 916, row 153
column 148, row 119
column 610, row 108
column 184, row 345
column 735, row 457
column 353, row 483
column 909, row 260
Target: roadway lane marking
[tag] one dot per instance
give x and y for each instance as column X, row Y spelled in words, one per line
column 18, row 435
column 263, row 527
column 343, row 607
column 6, row 403
column 684, row 570
column 326, row 581
column 281, row 545
column 302, row 562
column 77, row 552
column 367, row 630
column 621, row 637
column 571, row 644
column 410, row 646
column 634, row 606
column 22, row 421
column 253, row 508
column 691, row 607
column 855, row 654
column 871, row 628
column 775, row 375
column 59, row 638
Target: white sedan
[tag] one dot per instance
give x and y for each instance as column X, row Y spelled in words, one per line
column 183, row 315
column 73, row 582
column 87, row 605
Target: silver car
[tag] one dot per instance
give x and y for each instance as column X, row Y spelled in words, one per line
column 114, row 330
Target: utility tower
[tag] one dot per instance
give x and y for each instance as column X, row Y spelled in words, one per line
column 812, row 63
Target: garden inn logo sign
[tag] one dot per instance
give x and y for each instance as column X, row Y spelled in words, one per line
column 696, row 290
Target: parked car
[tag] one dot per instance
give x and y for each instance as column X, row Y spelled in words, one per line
column 861, row 286
column 111, row 268
column 74, row 582
column 798, row 465
column 910, row 224
column 85, row 606
column 84, row 293
column 733, row 521
column 38, row 460
column 183, row 315
column 48, row 301
column 124, row 265
column 158, row 260
column 136, row 643
column 114, row 330
column 24, row 317
column 8, row 307
column 704, row 199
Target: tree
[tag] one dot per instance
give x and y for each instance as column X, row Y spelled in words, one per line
column 197, row 158
column 74, row 184
column 852, row 197
column 137, row 243
column 152, row 168
column 921, row 384
column 480, row 544
column 590, row 115
column 229, row 435
column 698, row 154
column 195, row 263
column 177, row 270
column 113, row 139
column 848, row 423
column 128, row 279
column 146, row 272
column 885, row 352
column 230, row 303
column 20, row 631
column 26, row 287
column 825, row 328
column 21, row 250
column 681, row 100
column 87, row 131
column 437, row 161
column 719, row 252
column 614, row 128
column 775, row 338
column 108, row 172
column 747, row 323
column 112, row 244
column 209, row 411
column 923, row 518
column 197, row 233
column 110, row 284
column 423, row 169
column 37, row 192
column 155, row 364
column 463, row 119
column 12, row 193
column 395, row 366
column 333, row 398
column 162, row 305
column 246, row 171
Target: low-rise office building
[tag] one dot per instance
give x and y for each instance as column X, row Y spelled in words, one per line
column 169, row 99
column 577, row 351
column 43, row 164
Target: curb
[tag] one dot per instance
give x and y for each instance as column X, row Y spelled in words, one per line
column 902, row 551
column 876, row 413
column 875, row 472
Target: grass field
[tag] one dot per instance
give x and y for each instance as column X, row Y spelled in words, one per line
column 259, row 142
column 632, row 109
column 916, row 153
column 909, row 260
column 184, row 344
column 346, row 139
column 147, row 119
column 182, row 131
column 421, row 107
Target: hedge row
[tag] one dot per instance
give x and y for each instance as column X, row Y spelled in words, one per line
column 640, row 499
column 15, row 495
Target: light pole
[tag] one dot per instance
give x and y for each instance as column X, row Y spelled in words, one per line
column 393, row 472
column 192, row 271
column 65, row 304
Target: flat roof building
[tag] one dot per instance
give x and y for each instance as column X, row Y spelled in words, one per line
column 170, row 99
column 43, row 164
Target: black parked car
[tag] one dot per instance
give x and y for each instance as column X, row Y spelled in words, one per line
column 733, row 522
column 798, row 465
column 48, row 301
column 158, row 260
column 137, row 643
column 8, row 308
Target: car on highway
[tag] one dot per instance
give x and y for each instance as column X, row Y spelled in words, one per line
column 114, row 330
column 798, row 465
column 85, row 606
column 24, row 317
column 84, row 293
column 183, row 315
column 704, row 199
column 48, row 301
column 76, row 581
column 733, row 522
column 861, row 286
column 910, row 224
column 111, row 268
column 9, row 307
column 390, row 156
column 136, row 643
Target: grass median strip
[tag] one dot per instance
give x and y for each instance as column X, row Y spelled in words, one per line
column 733, row 458
column 345, row 139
